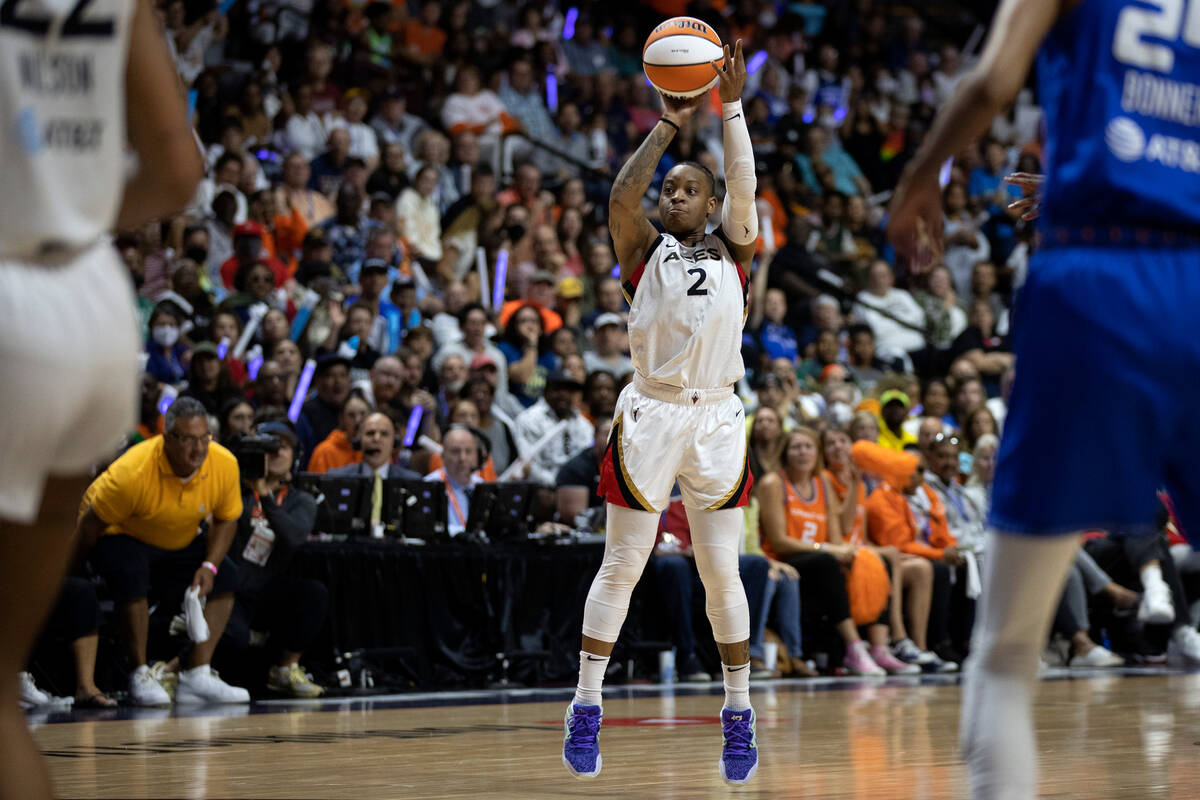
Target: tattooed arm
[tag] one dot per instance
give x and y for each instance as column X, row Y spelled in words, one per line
column 632, row 233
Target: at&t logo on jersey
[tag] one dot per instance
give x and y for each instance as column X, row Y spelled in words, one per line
column 1127, row 141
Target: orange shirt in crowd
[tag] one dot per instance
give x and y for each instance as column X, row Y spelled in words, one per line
column 429, row 41
column 290, row 231
column 487, row 474
column 806, row 521
column 551, row 321
column 145, row 432
column 336, row 451
column 892, row 522
column 857, row 535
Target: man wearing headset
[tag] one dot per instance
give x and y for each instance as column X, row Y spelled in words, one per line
column 272, row 608
column 377, row 439
column 461, row 450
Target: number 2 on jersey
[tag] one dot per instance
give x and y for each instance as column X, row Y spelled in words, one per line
column 74, row 26
column 1135, row 23
column 696, row 290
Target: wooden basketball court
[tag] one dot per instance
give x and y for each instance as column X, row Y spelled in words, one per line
column 1131, row 734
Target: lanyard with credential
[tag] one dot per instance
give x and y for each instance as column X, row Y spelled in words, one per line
column 453, row 500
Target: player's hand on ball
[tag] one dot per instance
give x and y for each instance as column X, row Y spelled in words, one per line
column 732, row 72
column 680, row 109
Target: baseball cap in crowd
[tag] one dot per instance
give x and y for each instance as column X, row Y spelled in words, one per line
column 893, row 396
column 249, row 228
column 836, row 371
column 205, row 349
column 558, row 377
column 325, row 361
column 282, row 430
column 570, row 288
column 542, row 276
column 382, row 197
column 374, row 265
column 315, row 238
column 482, row 361
column 607, row 318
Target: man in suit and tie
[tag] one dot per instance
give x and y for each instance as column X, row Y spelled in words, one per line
column 461, row 455
column 378, row 440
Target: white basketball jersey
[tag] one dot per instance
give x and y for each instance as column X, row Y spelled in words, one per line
column 687, row 309
column 62, row 117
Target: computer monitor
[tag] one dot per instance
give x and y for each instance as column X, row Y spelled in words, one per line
column 343, row 502
column 501, row 510
column 415, row 509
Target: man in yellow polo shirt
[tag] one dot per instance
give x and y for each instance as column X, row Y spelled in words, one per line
column 144, row 513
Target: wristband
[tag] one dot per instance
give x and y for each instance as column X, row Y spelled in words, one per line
column 672, row 124
column 730, row 109
column 210, row 565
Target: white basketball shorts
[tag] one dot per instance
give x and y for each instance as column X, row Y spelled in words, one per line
column 695, row 436
column 69, row 390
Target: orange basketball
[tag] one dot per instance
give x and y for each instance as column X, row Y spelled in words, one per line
column 679, row 55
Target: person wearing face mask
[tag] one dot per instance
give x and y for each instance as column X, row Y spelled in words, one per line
column 164, row 350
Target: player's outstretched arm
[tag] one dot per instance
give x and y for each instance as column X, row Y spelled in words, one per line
column 915, row 223
column 739, row 217
column 156, row 119
column 632, row 233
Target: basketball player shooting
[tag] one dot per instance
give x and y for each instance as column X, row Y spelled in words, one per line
column 679, row 418
column 80, row 80
column 1108, row 310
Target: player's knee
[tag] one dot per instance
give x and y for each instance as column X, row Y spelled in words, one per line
column 621, row 571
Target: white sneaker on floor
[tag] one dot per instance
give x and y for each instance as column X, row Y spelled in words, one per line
column 1098, row 656
column 145, row 690
column 1156, row 607
column 1184, row 647
column 907, row 651
column 201, row 685
column 31, row 696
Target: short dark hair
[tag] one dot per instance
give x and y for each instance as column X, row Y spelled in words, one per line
column 467, row 309
column 226, row 158
column 860, row 327
column 183, row 408
column 712, row 181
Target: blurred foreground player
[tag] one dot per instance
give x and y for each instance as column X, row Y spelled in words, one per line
column 679, row 418
column 78, row 82
column 1108, row 309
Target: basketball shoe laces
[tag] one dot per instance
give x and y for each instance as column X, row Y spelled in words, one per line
column 739, row 735
column 583, row 732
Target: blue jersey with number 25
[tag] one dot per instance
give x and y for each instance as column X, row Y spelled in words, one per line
column 1120, row 84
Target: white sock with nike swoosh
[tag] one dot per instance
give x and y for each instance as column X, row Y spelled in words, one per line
column 737, row 686
column 591, row 679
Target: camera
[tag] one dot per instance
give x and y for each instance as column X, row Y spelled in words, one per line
column 251, row 453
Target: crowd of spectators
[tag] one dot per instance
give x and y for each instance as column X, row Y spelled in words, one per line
column 403, row 229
